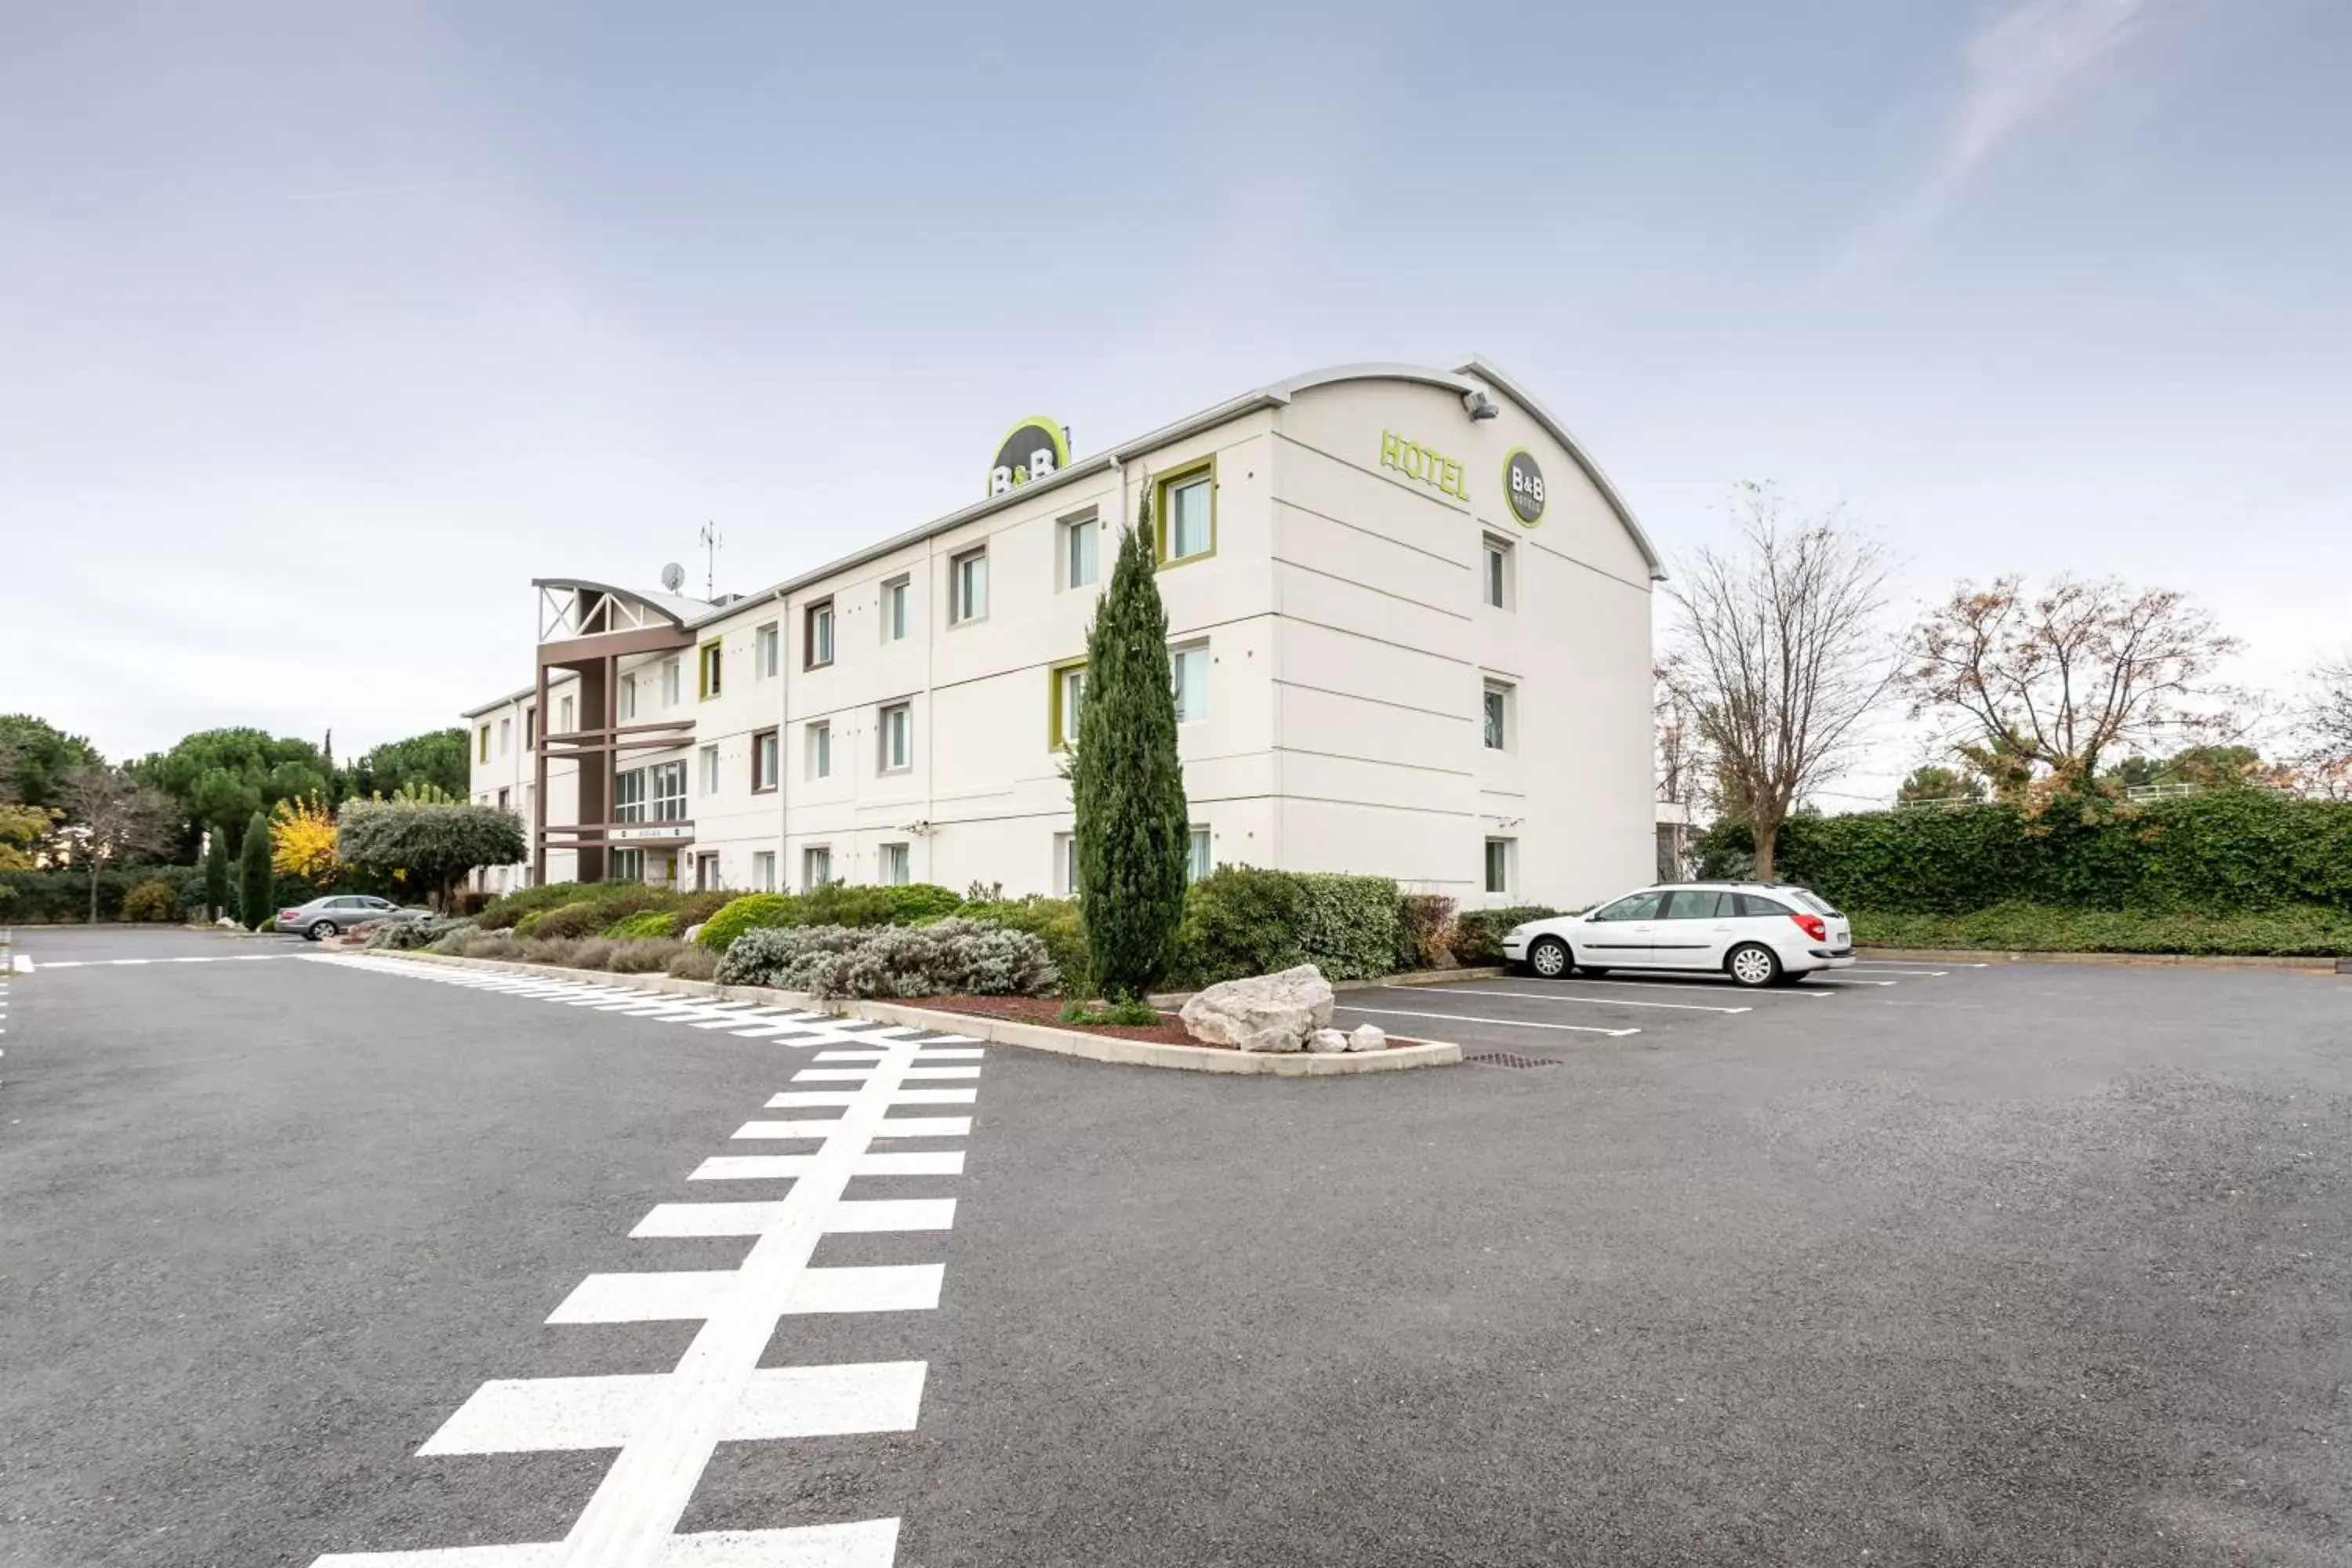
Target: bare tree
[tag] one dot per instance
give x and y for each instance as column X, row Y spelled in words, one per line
column 2039, row 689
column 110, row 818
column 1786, row 655
column 1684, row 769
column 2324, row 761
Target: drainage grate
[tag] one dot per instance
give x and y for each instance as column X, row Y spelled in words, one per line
column 1509, row 1059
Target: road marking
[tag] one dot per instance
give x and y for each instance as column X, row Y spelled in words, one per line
column 532, row 1414
column 806, row 1098
column 896, row 1127
column 1816, row 979
column 1929, row 974
column 1720, row 987
column 867, row 1543
column 1946, row 962
column 1509, row 1023
column 768, row 1167
column 849, row 1216
column 1564, row 996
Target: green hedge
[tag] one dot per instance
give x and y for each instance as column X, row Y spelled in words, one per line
column 1053, row 922
column 2297, row 931
column 1478, row 935
column 642, row 924
column 2226, row 851
column 1245, row 920
column 62, row 896
column 836, row 904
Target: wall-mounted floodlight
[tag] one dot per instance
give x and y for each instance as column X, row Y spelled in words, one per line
column 1478, row 406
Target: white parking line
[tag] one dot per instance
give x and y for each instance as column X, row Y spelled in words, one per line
column 1946, row 962
column 1720, row 987
column 1565, row 996
column 1507, row 1023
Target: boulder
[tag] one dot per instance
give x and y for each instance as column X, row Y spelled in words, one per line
column 1263, row 1013
column 1368, row 1038
column 1327, row 1040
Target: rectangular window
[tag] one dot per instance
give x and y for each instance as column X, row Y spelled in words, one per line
column 565, row 720
column 668, row 785
column 968, row 586
column 897, row 593
column 763, row 653
column 529, row 728
column 763, row 870
column 505, row 736
column 898, row 738
column 1188, row 515
column 628, row 866
column 502, row 800
column 1498, row 865
column 816, row 635
column 764, row 761
column 898, row 865
column 629, row 795
column 1495, row 574
column 1065, row 865
column 1497, row 712
column 482, row 747
column 710, row 755
column 1081, row 542
column 710, row 665
column 816, row 867
column 820, row 751
column 669, row 683
column 628, row 697
column 1188, row 672
column 1196, row 853
column 1064, row 701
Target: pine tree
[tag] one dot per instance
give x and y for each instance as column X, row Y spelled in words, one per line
column 255, row 890
column 1126, row 781
column 216, row 872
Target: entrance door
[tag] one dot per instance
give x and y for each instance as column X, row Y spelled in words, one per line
column 705, row 872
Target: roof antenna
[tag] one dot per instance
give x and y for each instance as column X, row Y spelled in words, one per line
column 710, row 542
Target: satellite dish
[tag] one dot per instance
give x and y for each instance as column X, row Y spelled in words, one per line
column 673, row 576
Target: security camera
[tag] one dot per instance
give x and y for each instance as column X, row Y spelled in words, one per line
column 1478, row 406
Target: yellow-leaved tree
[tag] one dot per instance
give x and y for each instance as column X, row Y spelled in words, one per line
column 302, row 841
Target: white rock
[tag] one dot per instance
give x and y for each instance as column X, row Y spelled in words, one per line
column 690, row 932
column 1263, row 1013
column 1368, row 1038
column 1327, row 1040
column 225, row 923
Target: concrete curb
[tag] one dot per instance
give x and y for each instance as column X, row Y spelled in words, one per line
column 997, row 1031
column 1174, row 999
column 2126, row 960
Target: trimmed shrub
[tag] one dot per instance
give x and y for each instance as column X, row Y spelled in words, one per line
column 1424, row 922
column 836, row 904
column 592, row 952
column 1238, row 920
column 644, row 924
column 1053, row 922
column 944, row 958
column 647, row 956
column 618, row 899
column 254, row 880
column 405, row 936
column 563, row 923
column 740, row 915
column 1348, row 925
column 2296, row 931
column 151, row 901
column 1477, row 934
column 698, row 907
column 691, row 962
column 62, row 896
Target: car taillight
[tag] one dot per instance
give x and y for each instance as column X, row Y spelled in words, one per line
column 288, row 915
column 1812, row 926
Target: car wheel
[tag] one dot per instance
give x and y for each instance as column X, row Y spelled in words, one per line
column 319, row 928
column 1550, row 958
column 1753, row 964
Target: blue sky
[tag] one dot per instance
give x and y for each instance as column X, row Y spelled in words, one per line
column 358, row 317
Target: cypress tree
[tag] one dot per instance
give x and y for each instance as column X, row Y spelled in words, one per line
column 216, row 872
column 1125, row 780
column 256, row 888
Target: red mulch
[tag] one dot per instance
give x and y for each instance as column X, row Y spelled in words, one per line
column 1168, row 1031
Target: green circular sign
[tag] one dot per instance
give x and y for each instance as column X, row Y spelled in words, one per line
column 1524, row 483
column 1034, row 449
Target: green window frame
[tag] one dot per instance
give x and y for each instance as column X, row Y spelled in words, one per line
column 708, row 664
column 482, row 752
column 1162, row 514
column 1061, row 726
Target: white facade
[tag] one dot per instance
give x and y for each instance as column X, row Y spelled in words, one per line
column 1366, row 707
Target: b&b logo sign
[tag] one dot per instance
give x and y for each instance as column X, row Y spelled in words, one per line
column 1035, row 449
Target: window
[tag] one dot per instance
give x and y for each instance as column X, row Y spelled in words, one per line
column 1188, row 515
column 706, row 871
column 1497, row 713
column 896, row 595
column 502, row 800
column 628, row 697
column 708, row 665
column 896, row 865
column 820, row 751
column 529, row 728
column 628, row 866
column 816, row 635
column 1065, row 865
column 898, row 738
column 1753, row 906
column 1495, row 574
column 1196, row 853
column 1066, row 699
column 565, row 720
column 764, row 761
column 505, row 736
column 763, row 652
column 669, row 783
column 967, row 587
column 1633, row 907
column 1498, row 865
column 816, row 867
column 763, row 870
column 482, row 746
column 629, row 795
column 1081, row 543
column 669, row 683
column 1699, row 904
column 1188, row 672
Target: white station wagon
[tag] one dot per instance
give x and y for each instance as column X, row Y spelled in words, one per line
column 1759, row 933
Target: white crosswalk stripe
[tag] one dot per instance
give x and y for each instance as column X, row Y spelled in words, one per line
column 662, row 1428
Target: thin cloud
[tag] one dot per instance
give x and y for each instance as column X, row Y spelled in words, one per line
column 391, row 188
column 2025, row 62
